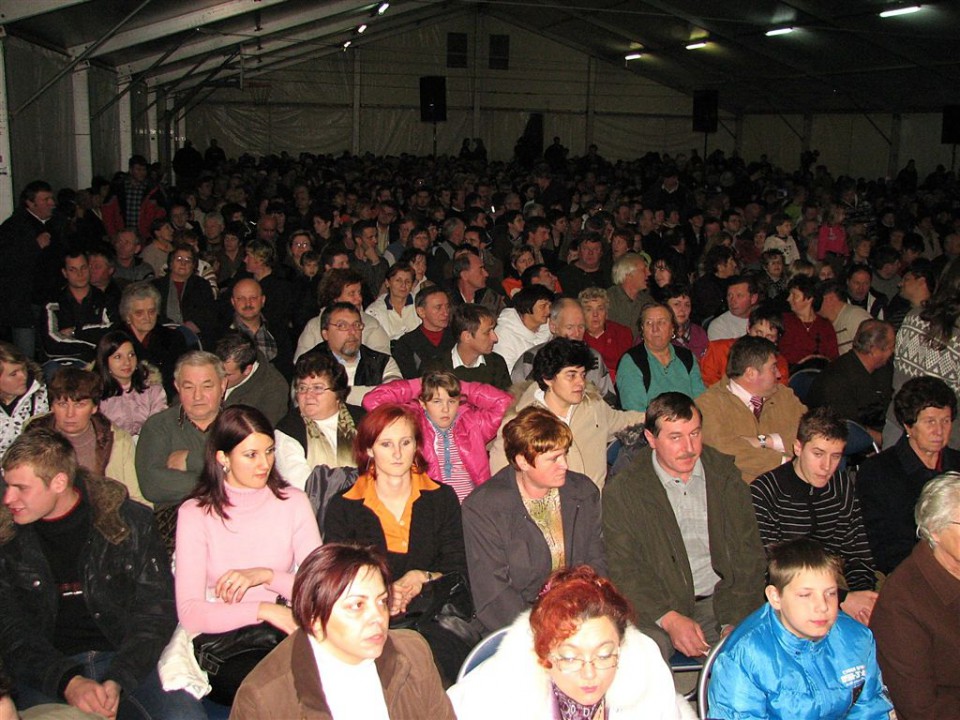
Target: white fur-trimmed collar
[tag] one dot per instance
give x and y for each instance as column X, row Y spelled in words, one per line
column 513, row 682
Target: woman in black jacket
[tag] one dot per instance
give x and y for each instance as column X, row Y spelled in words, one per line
column 397, row 508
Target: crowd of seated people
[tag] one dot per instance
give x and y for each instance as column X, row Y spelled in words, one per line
column 489, row 374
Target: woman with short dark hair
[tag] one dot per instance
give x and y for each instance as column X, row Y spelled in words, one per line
column 531, row 518
column 889, row 484
column 320, row 429
column 343, row 661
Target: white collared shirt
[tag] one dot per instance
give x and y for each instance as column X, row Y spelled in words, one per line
column 458, row 361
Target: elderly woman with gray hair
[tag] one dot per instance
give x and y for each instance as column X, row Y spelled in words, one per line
column 916, row 621
column 152, row 341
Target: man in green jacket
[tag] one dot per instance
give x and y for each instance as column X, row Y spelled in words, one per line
column 681, row 537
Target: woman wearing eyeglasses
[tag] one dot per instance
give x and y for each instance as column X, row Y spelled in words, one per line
column 656, row 365
column 320, row 429
column 575, row 655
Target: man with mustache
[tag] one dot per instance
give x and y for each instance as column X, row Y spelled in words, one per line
column 680, row 534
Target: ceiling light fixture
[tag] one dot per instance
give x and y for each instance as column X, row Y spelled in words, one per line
column 696, row 45
column 779, row 31
column 347, row 44
column 900, row 11
column 633, row 56
column 383, row 8
column 361, row 29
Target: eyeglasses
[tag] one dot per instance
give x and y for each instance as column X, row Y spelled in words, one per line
column 571, row 665
column 344, row 326
column 311, row 389
column 656, row 323
column 183, row 258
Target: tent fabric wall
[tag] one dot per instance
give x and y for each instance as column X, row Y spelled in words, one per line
column 631, row 114
column 139, row 99
column 41, row 137
column 920, row 140
column 105, row 130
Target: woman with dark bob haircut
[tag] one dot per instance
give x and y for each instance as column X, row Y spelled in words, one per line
column 343, row 661
column 240, row 536
column 132, row 390
column 889, row 484
column 320, row 429
column 396, row 507
column 575, row 655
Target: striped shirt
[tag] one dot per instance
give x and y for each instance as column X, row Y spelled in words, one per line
column 788, row 508
column 451, row 465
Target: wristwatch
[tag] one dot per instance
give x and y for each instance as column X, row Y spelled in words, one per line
column 763, row 441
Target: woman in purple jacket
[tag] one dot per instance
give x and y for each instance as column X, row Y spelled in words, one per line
column 457, row 420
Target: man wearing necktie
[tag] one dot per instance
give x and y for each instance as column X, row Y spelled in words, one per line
column 752, row 416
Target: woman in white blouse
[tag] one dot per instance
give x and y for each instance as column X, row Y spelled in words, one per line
column 395, row 310
column 320, row 429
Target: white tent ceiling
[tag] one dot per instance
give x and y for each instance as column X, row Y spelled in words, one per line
column 841, row 56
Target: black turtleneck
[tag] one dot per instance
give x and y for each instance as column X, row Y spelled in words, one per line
column 63, row 541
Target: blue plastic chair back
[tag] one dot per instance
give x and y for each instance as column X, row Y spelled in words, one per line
column 483, row 650
column 801, row 382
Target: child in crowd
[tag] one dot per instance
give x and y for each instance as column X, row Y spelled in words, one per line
column 310, row 264
column 457, row 418
column 798, row 656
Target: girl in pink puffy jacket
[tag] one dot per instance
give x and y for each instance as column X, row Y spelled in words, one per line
column 457, row 419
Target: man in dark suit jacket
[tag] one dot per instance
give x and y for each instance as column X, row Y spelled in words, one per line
column 430, row 339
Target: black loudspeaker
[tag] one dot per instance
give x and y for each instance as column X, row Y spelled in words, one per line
column 950, row 133
column 433, row 98
column 705, row 111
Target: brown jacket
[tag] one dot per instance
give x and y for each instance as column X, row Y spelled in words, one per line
column 727, row 421
column 287, row 686
column 917, row 626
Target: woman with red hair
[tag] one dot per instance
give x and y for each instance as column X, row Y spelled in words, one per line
column 575, row 655
column 396, row 507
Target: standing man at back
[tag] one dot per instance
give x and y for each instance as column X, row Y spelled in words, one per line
column 29, row 242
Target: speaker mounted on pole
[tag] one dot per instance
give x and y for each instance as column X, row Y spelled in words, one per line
column 950, row 130
column 433, row 98
column 706, row 111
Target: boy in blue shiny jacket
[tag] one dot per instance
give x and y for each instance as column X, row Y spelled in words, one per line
column 798, row 657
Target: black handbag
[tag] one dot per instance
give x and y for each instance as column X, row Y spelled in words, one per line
column 215, row 649
column 446, row 602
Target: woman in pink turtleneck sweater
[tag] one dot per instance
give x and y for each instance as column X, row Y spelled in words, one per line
column 240, row 537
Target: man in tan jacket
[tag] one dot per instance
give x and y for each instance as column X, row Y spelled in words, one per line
column 559, row 372
column 752, row 416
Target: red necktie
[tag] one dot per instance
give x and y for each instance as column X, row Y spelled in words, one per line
column 756, row 403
